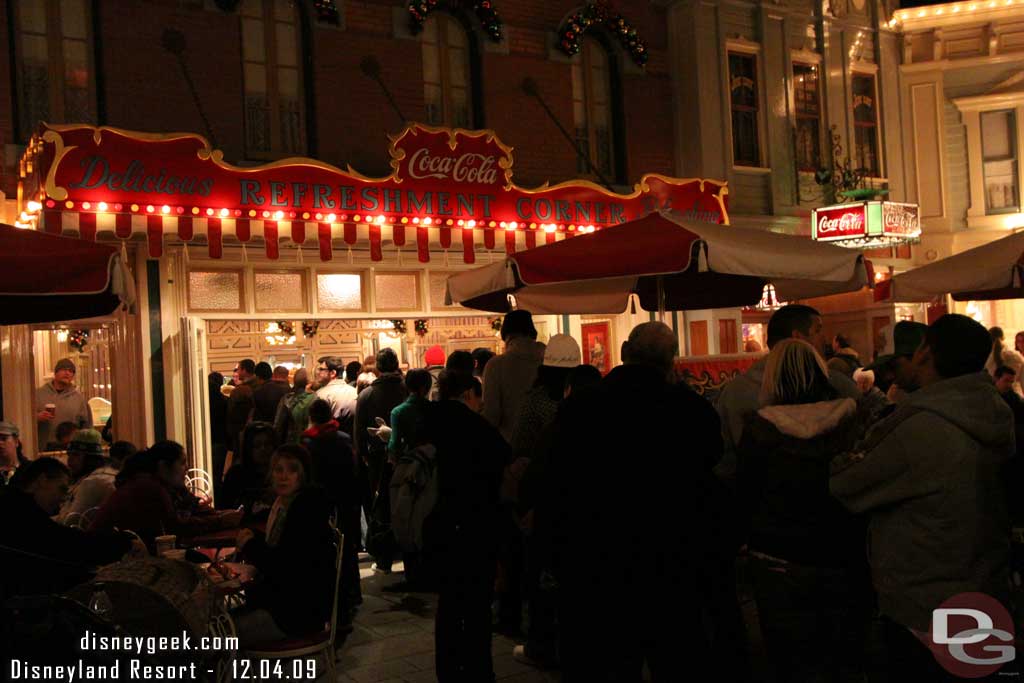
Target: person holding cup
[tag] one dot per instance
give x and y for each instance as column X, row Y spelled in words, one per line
column 58, row 401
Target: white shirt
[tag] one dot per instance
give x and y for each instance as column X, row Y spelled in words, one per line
column 342, row 398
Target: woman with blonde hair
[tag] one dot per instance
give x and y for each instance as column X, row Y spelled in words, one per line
column 808, row 567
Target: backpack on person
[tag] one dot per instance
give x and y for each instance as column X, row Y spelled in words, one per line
column 414, row 494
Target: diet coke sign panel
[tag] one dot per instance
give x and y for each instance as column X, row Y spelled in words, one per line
column 840, row 222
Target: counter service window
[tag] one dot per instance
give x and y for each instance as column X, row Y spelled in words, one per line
column 54, row 64
column 274, row 119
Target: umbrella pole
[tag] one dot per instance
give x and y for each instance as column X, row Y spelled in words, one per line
column 661, row 299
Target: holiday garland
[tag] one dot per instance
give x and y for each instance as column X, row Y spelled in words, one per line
column 496, row 324
column 77, row 339
column 420, row 325
column 309, row 328
column 419, row 10
column 570, row 35
column 287, row 328
column 400, row 326
column 326, row 12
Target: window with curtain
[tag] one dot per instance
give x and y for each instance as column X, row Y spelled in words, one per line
column 865, row 125
column 746, row 150
column 274, row 119
column 807, row 107
column 592, row 108
column 999, row 161
column 54, row 65
column 447, row 93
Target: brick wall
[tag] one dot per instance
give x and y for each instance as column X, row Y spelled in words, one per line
column 144, row 88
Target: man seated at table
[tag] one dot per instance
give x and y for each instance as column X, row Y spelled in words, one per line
column 39, row 555
column 11, row 457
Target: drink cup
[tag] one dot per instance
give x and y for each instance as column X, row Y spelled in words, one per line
column 165, row 543
column 174, row 554
column 51, row 408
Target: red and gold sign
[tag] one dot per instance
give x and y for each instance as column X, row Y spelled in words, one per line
column 446, row 186
column 867, row 225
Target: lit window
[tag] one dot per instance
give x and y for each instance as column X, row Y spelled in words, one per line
column 446, row 72
column 55, row 73
column 865, row 125
column 274, row 123
column 746, row 150
column 592, row 108
column 999, row 161
column 807, row 107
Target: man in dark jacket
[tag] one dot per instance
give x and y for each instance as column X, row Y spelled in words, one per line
column 38, row 554
column 240, row 403
column 931, row 478
column 628, row 571
column 269, row 394
column 377, row 401
column 334, row 470
column 461, row 535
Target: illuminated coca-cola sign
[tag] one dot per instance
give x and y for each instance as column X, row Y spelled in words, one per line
column 840, row 222
column 866, row 225
column 900, row 219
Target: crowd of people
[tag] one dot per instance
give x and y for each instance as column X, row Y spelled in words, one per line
column 600, row 520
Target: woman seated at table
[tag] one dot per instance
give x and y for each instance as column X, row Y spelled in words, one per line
column 295, row 559
column 245, row 484
column 93, row 474
column 143, row 503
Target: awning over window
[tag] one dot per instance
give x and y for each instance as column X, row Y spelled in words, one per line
column 48, row 278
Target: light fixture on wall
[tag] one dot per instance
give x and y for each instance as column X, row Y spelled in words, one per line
column 62, row 336
column 280, row 333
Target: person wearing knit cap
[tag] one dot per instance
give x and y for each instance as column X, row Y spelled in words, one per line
column 434, row 359
column 509, row 376
column 59, row 401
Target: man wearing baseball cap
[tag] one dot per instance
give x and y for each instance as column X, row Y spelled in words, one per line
column 11, row 456
column 59, row 401
column 894, row 362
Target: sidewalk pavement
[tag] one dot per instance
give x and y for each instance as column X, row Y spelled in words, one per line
column 393, row 638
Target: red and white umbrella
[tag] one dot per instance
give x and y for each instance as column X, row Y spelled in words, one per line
column 991, row 271
column 46, row 278
column 692, row 265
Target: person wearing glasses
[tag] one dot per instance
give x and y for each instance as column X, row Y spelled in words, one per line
column 330, row 375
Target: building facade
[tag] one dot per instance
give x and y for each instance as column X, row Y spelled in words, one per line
column 579, row 90
column 269, row 79
column 777, row 97
column 962, row 84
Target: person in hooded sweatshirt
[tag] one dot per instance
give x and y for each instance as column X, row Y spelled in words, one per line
column 929, row 475
column 807, row 552
column 741, row 397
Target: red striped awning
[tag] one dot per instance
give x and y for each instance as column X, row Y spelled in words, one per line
column 215, row 232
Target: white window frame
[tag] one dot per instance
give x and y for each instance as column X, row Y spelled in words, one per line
column 869, row 69
column 808, row 58
column 746, row 47
column 971, row 109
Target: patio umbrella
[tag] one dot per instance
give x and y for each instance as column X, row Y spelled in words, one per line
column 46, row 278
column 670, row 264
column 991, row 271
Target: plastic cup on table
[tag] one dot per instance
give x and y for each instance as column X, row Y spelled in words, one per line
column 165, row 543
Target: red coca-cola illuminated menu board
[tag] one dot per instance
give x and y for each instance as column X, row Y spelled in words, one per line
column 866, row 224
